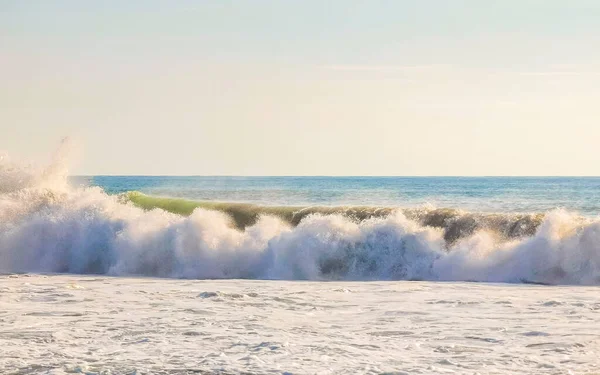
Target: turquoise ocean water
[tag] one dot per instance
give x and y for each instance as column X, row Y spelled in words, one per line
column 479, row 194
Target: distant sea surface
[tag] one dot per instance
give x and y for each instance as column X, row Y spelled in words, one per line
column 479, row 194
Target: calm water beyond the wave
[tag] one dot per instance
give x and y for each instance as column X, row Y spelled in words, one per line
column 499, row 194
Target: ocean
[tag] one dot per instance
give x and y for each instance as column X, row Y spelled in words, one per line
column 297, row 275
column 477, row 194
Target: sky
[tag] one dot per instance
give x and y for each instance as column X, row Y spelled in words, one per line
column 271, row 87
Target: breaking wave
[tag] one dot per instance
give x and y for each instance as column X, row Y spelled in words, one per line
column 456, row 224
column 48, row 226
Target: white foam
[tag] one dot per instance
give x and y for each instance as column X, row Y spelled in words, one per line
column 120, row 325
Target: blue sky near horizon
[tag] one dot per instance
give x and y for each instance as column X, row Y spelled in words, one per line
column 426, row 87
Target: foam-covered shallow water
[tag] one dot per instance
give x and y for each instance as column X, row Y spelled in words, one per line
column 57, row 324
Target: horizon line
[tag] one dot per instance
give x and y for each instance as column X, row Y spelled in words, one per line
column 337, row 176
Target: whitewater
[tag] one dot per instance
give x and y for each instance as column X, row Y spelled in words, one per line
column 101, row 282
column 63, row 324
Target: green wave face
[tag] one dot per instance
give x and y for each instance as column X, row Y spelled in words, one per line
column 174, row 205
column 456, row 224
column 243, row 214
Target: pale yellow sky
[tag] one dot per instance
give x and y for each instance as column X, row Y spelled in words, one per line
column 151, row 89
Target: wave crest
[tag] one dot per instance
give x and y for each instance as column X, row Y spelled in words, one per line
column 456, row 224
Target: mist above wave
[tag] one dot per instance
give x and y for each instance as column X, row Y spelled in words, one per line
column 48, row 226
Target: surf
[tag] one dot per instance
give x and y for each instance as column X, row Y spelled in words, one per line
column 455, row 223
column 50, row 226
